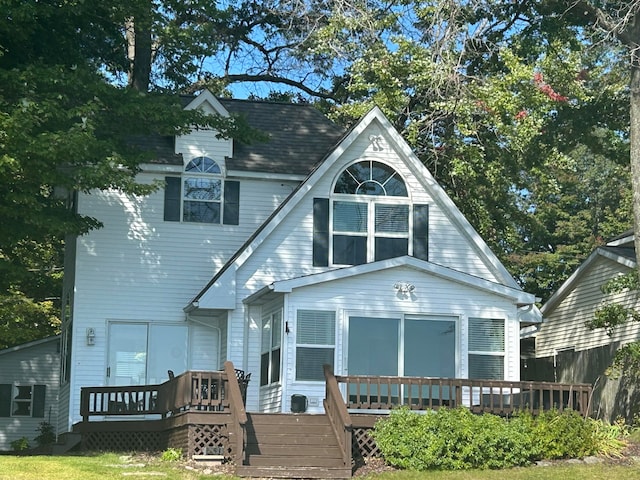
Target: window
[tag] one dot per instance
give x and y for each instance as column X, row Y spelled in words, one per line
column 271, row 348
column 202, row 195
column 368, row 218
column 22, row 400
column 315, row 343
column 486, row 349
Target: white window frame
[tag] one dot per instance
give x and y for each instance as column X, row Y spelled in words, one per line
column 205, row 176
column 268, row 319
column 15, row 401
column 371, row 201
column 325, row 346
column 487, row 352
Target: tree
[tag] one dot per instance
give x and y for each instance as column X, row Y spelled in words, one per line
column 65, row 128
column 621, row 21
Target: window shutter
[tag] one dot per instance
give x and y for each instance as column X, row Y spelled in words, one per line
column 5, row 400
column 421, row 232
column 39, row 395
column 231, row 215
column 172, row 199
column 320, row 232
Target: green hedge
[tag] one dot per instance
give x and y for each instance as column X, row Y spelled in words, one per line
column 456, row 439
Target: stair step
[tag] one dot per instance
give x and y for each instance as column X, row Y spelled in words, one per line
column 329, row 450
column 66, row 442
column 288, row 461
column 287, row 419
column 289, row 472
column 292, row 440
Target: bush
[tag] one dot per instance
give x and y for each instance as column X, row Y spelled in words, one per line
column 47, row 435
column 455, row 439
column 451, row 439
column 565, row 435
column 20, row 445
column 171, row 455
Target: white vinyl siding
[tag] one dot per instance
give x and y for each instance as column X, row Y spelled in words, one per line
column 486, row 348
column 315, row 343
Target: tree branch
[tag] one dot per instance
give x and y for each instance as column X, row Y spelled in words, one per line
column 236, row 78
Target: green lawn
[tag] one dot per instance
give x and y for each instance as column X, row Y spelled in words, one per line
column 113, row 466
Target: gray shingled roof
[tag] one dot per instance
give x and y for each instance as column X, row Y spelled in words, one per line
column 299, row 137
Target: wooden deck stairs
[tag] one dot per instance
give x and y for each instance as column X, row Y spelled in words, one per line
column 291, row 446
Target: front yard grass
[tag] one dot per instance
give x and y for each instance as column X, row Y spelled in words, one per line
column 116, row 466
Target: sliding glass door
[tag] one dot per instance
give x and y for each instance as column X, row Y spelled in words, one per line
column 142, row 354
column 416, row 346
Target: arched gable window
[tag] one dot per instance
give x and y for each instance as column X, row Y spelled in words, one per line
column 202, row 195
column 370, row 178
column 368, row 217
column 202, row 191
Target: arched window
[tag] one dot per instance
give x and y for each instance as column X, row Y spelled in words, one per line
column 202, row 195
column 202, row 191
column 370, row 178
column 369, row 215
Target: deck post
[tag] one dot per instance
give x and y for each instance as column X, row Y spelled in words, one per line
column 338, row 415
column 237, row 410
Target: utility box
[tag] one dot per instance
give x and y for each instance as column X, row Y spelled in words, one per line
column 299, row 403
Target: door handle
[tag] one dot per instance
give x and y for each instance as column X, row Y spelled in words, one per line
column 108, row 372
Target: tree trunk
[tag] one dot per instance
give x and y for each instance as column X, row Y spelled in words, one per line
column 634, row 129
column 139, row 50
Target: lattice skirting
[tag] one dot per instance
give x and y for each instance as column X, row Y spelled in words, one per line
column 209, row 439
column 192, row 439
column 363, row 445
column 124, row 441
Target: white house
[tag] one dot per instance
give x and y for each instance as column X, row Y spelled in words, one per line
column 29, row 381
column 318, row 246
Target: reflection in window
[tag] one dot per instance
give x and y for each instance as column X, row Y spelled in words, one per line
column 271, row 348
column 370, row 214
column 202, row 191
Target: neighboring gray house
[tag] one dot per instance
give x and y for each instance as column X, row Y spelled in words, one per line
column 566, row 351
column 29, row 382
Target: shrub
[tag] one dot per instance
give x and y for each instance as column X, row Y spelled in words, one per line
column 457, row 439
column 171, row 455
column 20, row 445
column 451, row 439
column 47, row 435
column 564, row 435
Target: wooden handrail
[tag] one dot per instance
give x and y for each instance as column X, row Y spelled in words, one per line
column 494, row 396
column 237, row 410
column 338, row 415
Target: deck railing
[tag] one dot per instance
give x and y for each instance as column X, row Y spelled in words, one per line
column 493, row 396
column 192, row 390
column 338, row 415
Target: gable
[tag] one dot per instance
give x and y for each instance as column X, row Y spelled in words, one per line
column 284, row 246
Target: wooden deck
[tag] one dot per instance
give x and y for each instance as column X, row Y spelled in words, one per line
column 203, row 414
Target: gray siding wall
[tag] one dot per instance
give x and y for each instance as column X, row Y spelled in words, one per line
column 35, row 365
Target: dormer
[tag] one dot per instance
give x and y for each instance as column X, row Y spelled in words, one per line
column 204, row 142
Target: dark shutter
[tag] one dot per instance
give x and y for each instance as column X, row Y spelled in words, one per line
column 231, row 215
column 5, row 400
column 172, row 199
column 421, row 232
column 39, row 395
column 320, row 232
